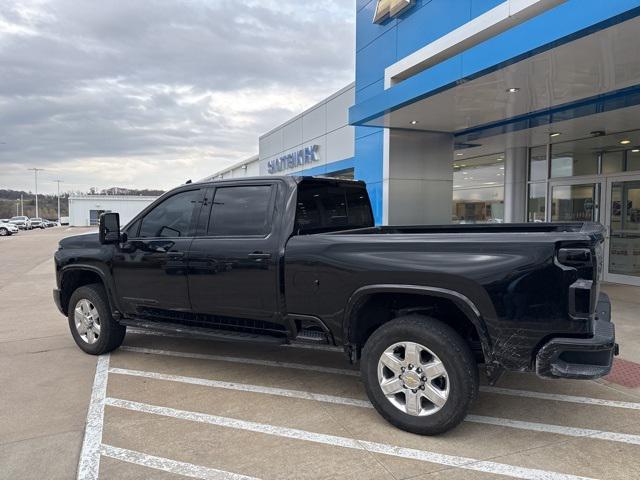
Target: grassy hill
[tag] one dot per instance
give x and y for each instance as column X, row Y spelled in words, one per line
column 47, row 204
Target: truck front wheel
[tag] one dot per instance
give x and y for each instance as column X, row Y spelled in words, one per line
column 419, row 374
column 92, row 325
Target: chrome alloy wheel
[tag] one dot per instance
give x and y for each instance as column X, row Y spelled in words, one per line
column 87, row 321
column 413, row 379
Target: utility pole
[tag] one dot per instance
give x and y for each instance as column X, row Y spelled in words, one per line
column 21, row 205
column 35, row 171
column 17, row 205
column 58, row 182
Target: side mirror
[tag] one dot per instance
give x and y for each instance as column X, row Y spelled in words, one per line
column 109, row 228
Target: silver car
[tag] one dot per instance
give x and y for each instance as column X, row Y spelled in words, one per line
column 22, row 222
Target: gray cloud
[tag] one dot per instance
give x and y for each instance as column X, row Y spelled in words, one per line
column 149, row 93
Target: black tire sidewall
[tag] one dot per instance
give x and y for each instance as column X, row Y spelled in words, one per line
column 111, row 332
column 444, row 342
column 4, row 232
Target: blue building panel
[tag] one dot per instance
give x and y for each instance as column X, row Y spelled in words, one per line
column 425, row 25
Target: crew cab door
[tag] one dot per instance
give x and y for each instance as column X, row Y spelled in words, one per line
column 150, row 268
column 233, row 262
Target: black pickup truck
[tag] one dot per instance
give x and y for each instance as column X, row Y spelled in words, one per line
column 298, row 259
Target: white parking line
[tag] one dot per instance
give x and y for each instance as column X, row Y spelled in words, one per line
column 168, row 465
column 281, row 392
column 561, row 398
column 560, row 430
column 89, row 464
column 249, row 361
column 354, row 402
column 355, row 373
column 344, row 442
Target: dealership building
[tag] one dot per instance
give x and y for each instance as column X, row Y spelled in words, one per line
column 484, row 111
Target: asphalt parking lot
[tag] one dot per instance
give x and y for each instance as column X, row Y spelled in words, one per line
column 170, row 407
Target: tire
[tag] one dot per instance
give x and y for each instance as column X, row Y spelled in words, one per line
column 435, row 341
column 4, row 232
column 93, row 299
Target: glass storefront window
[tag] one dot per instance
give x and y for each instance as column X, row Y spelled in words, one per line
column 537, row 205
column 346, row 174
column 573, row 203
column 478, row 190
column 538, row 163
column 568, row 161
column 633, row 160
column 624, row 244
column 612, row 162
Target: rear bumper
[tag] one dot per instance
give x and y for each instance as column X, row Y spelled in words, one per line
column 581, row 358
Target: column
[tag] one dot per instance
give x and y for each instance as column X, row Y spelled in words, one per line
column 418, row 178
column 515, row 184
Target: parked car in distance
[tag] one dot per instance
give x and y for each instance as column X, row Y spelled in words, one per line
column 298, row 260
column 7, row 228
column 37, row 222
column 49, row 224
column 21, row 221
column 64, row 220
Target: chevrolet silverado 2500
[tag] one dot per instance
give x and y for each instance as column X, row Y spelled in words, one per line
column 298, row 259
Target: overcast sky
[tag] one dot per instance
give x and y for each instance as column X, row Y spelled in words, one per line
column 139, row 94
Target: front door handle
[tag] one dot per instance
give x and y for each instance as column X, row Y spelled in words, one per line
column 259, row 255
column 175, row 255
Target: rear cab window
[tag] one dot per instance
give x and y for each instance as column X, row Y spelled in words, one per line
column 326, row 206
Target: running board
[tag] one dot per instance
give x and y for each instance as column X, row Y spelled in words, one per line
column 222, row 335
column 312, row 336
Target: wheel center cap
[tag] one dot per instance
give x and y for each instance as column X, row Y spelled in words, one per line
column 412, row 380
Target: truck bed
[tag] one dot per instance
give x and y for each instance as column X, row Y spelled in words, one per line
column 573, row 227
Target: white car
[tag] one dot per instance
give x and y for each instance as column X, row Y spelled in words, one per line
column 7, row 229
column 21, row 221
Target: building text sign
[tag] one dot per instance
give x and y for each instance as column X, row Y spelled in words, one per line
column 295, row 159
column 386, row 9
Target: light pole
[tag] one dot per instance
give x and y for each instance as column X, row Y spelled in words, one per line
column 35, row 171
column 21, row 205
column 17, row 205
column 58, row 182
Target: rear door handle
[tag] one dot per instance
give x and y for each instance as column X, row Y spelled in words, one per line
column 259, row 255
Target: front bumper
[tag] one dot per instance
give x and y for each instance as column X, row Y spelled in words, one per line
column 581, row 358
column 57, row 300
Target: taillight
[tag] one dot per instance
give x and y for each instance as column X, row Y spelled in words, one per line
column 575, row 257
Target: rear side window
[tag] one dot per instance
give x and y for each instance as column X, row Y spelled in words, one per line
column 324, row 208
column 241, row 211
column 171, row 218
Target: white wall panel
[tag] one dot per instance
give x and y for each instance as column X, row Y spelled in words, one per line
column 338, row 109
column 292, row 134
column 340, row 144
column 314, row 123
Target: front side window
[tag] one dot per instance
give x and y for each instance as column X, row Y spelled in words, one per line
column 171, row 218
column 240, row 211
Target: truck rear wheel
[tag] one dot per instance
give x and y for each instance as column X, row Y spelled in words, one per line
column 419, row 374
column 92, row 325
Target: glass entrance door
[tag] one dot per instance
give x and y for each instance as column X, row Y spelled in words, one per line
column 575, row 200
column 623, row 222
